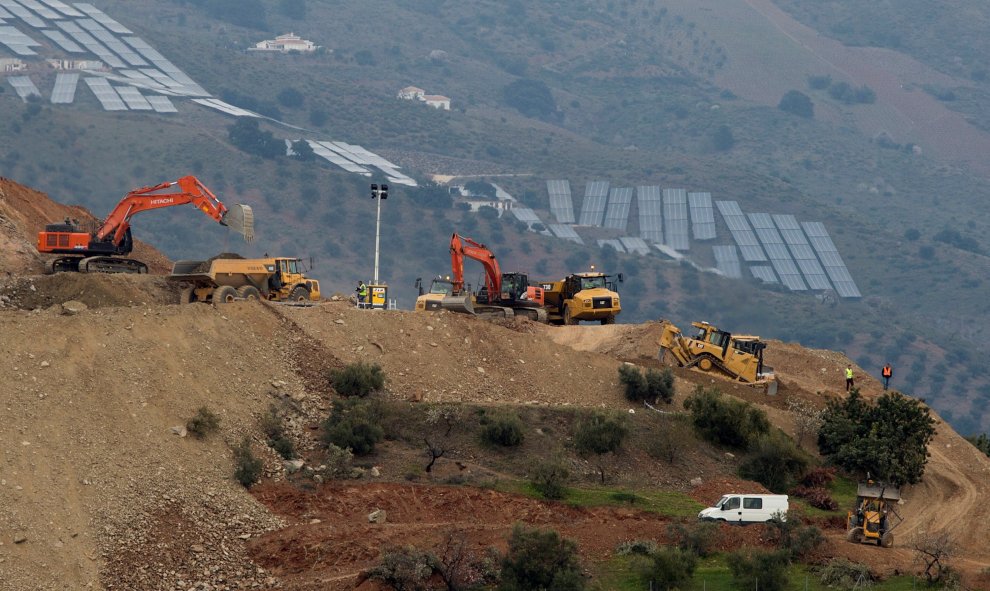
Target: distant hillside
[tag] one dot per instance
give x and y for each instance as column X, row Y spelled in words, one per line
column 632, row 99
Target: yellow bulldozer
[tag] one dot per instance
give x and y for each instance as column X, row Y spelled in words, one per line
column 736, row 357
column 581, row 296
column 430, row 301
column 875, row 516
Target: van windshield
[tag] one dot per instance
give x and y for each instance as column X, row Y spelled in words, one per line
column 720, row 501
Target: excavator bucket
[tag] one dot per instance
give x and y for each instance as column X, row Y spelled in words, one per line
column 460, row 303
column 240, row 218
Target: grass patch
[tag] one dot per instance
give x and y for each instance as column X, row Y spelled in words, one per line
column 623, row 573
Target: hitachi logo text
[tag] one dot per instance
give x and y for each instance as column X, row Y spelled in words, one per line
column 162, row 201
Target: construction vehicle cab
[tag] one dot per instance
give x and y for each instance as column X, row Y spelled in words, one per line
column 582, row 296
column 440, row 287
column 738, row 357
column 875, row 516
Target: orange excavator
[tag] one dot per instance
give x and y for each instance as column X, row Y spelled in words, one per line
column 104, row 248
column 504, row 295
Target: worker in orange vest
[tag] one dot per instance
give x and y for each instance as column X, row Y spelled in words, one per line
column 887, row 372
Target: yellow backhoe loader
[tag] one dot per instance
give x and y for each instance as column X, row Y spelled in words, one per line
column 736, row 357
column 875, row 515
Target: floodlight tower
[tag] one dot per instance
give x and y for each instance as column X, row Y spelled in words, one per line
column 381, row 194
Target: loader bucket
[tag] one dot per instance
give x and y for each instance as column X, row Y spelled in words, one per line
column 240, row 218
column 461, row 304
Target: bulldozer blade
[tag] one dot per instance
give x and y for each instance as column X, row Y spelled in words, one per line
column 240, row 218
column 460, row 304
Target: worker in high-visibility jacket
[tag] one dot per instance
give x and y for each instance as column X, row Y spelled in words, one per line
column 362, row 294
column 887, row 372
column 849, row 378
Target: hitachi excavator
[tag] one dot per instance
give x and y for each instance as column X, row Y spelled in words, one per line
column 504, row 295
column 104, row 248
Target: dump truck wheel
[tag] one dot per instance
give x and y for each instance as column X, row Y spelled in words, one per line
column 854, row 535
column 568, row 319
column 887, row 540
column 609, row 320
column 224, row 295
column 299, row 294
column 188, row 296
column 249, row 292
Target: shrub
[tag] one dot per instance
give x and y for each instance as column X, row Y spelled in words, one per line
column 503, row 429
column 661, row 384
column 540, row 560
column 842, row 573
column 600, row 434
column 889, row 437
column 550, row 477
column 775, row 462
column 797, row 103
column 672, row 568
column 624, row 497
column 816, row 496
column 697, row 538
column 272, row 427
column 819, row 476
column 203, row 423
column 404, row 569
column 793, row 537
column 358, row 379
column 725, row 421
column 247, row 468
column 636, row 547
column 338, row 461
column 760, row 569
column 632, row 379
column 670, row 439
column 351, row 425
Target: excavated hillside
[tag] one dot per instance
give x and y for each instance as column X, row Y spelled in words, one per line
column 101, row 486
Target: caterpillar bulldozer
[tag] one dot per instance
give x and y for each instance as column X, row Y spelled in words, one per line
column 875, row 516
column 430, row 301
column 230, row 278
column 582, row 297
column 736, row 357
column 104, row 248
column 504, row 295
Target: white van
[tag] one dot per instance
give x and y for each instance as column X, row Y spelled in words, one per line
column 743, row 509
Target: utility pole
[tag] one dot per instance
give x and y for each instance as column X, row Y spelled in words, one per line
column 379, row 193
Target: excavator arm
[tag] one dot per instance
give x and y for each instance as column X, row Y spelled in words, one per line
column 191, row 190
column 100, row 250
column 462, row 246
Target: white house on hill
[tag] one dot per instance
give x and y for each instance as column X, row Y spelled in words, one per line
column 411, row 93
column 437, row 101
column 285, row 43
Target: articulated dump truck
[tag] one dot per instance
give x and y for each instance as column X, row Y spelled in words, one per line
column 230, row 278
column 735, row 357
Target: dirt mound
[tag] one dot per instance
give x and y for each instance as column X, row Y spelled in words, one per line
column 95, row 480
column 448, row 357
column 96, row 290
column 24, row 212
